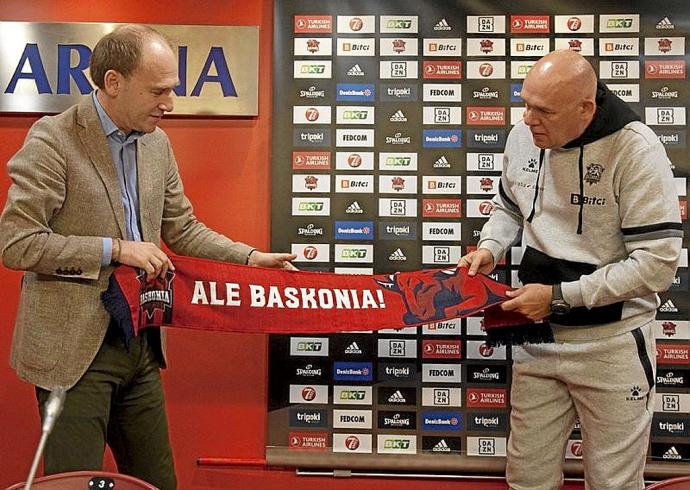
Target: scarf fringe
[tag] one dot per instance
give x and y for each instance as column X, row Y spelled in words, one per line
column 116, row 305
column 533, row 333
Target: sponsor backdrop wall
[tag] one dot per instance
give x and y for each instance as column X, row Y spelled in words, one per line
column 390, row 120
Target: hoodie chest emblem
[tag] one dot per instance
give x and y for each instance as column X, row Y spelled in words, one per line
column 593, row 175
column 531, row 166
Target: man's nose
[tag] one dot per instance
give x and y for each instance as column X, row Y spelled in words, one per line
column 529, row 117
column 167, row 104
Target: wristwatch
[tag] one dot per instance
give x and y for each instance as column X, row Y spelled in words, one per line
column 558, row 305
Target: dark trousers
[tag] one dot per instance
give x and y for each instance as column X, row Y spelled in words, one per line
column 119, row 401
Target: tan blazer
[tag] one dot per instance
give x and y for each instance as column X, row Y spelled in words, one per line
column 63, row 199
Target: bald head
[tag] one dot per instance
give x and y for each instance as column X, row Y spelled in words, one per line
column 567, row 72
column 560, row 97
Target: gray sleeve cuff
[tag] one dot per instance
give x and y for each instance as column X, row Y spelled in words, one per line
column 494, row 247
column 572, row 293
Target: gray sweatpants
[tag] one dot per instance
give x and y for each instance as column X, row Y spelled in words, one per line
column 609, row 384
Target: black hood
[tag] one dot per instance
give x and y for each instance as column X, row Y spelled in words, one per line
column 612, row 114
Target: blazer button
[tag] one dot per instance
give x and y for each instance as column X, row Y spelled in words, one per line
column 78, row 272
column 59, row 271
column 72, row 271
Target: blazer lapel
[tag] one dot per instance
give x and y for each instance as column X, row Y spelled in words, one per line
column 94, row 140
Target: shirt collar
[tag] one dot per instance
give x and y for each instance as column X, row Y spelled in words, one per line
column 109, row 127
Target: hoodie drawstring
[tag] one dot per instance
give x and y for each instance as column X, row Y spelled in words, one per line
column 582, row 190
column 536, row 187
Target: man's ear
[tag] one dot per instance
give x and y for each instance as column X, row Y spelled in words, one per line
column 588, row 108
column 112, row 83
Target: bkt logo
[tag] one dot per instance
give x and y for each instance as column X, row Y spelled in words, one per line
column 305, row 346
column 309, row 346
column 352, row 395
column 353, row 253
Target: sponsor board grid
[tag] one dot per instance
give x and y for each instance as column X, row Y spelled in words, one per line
column 413, row 91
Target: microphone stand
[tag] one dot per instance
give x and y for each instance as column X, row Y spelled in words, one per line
column 52, row 410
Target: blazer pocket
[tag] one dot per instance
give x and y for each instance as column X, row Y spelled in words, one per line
column 46, row 325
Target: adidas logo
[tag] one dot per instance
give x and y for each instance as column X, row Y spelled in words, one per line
column 397, row 255
column 355, row 71
column 442, row 162
column 442, row 25
column 397, row 397
column 353, row 348
column 672, row 454
column 665, row 24
column 398, row 117
column 668, row 307
column 441, row 447
column 354, row 208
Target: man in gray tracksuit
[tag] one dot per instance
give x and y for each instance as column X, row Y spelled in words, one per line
column 589, row 191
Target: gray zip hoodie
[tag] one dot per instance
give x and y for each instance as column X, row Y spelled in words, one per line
column 599, row 215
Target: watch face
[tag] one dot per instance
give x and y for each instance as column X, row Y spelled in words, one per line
column 559, row 308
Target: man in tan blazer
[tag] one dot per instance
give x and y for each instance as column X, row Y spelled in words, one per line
column 93, row 186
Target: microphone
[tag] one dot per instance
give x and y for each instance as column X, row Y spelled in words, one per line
column 53, row 408
column 51, row 411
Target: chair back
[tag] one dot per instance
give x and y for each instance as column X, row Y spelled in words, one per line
column 87, row 480
column 678, row 483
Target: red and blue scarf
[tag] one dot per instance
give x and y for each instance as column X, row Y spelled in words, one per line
column 207, row 295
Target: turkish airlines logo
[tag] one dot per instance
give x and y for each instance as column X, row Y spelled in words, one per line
column 313, row 24
column 314, row 441
column 485, row 398
column 529, row 23
column 442, row 208
column 443, row 69
column 671, row 69
column 302, row 160
column 486, row 116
